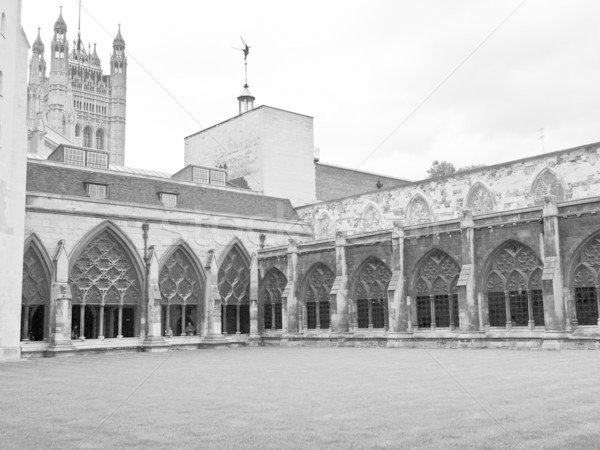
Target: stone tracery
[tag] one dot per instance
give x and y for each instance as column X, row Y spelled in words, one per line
column 371, row 219
column 480, row 200
column 370, row 293
column 547, row 183
column 418, row 210
column 273, row 285
column 316, row 296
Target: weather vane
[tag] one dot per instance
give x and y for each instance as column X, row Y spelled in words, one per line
column 245, row 51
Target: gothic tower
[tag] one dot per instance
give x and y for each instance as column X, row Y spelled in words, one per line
column 118, row 94
column 59, row 71
column 77, row 104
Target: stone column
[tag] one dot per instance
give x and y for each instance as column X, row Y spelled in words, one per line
column 468, row 306
column 26, row 323
column 340, row 322
column 120, row 322
column 398, row 308
column 183, row 324
column 60, row 306
column 254, row 276
column 101, row 323
column 212, row 303
column 555, row 316
column 154, row 340
column 290, row 294
column 82, row 320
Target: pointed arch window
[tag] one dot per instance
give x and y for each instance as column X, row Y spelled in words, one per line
column 106, row 288
column 480, row 199
column 324, row 227
column 370, row 294
column 100, row 139
column 547, row 183
column 319, row 281
column 273, row 285
column 585, row 280
column 513, row 286
column 234, row 288
column 418, row 210
column 87, row 137
column 181, row 295
column 371, row 219
column 436, row 295
column 77, row 130
column 35, row 296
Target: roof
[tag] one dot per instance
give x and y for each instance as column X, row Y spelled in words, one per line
column 335, row 182
column 140, row 188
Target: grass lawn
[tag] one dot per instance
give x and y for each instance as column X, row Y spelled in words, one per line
column 304, row 398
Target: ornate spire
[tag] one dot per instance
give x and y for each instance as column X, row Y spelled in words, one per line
column 60, row 24
column 119, row 41
column 38, row 45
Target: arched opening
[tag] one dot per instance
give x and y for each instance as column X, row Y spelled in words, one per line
column 100, row 139
column 418, row 211
column 234, row 288
column 546, row 184
column 106, row 288
column 585, row 278
column 479, row 199
column 324, row 227
column 435, row 292
column 272, row 287
column 316, row 288
column 87, row 137
column 35, row 294
column 371, row 219
column 513, row 287
column 77, row 130
column 370, row 294
column 181, row 287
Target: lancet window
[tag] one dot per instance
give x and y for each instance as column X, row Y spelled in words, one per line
column 370, row 293
column 435, row 292
column 87, row 137
column 585, row 283
column 371, row 220
column 319, row 281
column 513, row 285
column 547, row 183
column 181, row 295
column 234, row 288
column 35, row 296
column 418, row 211
column 480, row 200
column 106, row 289
column 273, row 285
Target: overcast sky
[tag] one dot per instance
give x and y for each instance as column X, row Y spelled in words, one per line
column 359, row 68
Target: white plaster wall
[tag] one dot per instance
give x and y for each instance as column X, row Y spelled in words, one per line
column 510, row 184
column 13, row 149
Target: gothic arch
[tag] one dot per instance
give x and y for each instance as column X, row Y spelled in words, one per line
column 369, row 293
column 87, row 137
column 77, row 130
column 316, row 288
column 434, row 290
column 584, row 279
column 106, row 267
column 371, row 218
column 35, row 298
column 100, row 138
column 324, row 226
column 418, row 210
column 271, row 290
column 480, row 199
column 547, row 182
column 511, row 283
column 234, row 288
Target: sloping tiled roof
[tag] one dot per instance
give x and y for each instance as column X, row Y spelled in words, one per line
column 53, row 178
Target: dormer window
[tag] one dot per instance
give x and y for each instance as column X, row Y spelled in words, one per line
column 200, row 175
column 97, row 160
column 168, row 200
column 217, row 178
column 74, row 157
column 96, row 191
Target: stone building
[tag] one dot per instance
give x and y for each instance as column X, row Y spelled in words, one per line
column 256, row 242
column 76, row 104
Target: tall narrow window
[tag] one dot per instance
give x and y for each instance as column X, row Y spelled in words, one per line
column 585, row 280
column 273, row 285
column 100, row 139
column 35, row 295
column 319, row 281
column 87, row 137
column 234, row 288
column 370, row 293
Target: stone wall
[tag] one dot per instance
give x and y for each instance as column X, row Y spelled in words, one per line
column 568, row 175
column 13, row 149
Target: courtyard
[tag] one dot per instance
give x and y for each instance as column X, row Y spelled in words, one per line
column 300, row 397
